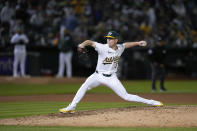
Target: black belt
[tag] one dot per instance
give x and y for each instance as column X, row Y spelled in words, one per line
column 106, row 75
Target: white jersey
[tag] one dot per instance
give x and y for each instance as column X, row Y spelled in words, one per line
column 16, row 39
column 108, row 58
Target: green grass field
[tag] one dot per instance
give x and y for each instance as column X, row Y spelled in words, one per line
column 131, row 86
column 38, row 128
column 20, row 109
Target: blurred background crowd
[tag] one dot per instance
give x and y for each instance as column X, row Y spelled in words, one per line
column 42, row 20
column 44, row 23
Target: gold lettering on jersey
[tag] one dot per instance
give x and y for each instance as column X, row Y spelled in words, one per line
column 110, row 60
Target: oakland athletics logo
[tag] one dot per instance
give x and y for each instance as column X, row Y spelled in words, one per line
column 110, row 33
column 110, row 60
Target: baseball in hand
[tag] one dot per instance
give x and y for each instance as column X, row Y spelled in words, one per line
column 142, row 43
column 80, row 49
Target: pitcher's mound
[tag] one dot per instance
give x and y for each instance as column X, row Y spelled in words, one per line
column 167, row 116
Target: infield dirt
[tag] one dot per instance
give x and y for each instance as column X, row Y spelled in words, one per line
column 167, row 116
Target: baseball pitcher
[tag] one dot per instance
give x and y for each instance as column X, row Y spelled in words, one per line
column 105, row 74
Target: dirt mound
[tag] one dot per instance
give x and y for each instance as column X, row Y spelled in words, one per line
column 169, row 116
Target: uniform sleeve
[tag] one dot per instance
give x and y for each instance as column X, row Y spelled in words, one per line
column 14, row 39
column 25, row 39
column 99, row 47
column 122, row 48
column 151, row 55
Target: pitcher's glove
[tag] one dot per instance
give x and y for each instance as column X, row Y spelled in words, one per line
column 82, row 53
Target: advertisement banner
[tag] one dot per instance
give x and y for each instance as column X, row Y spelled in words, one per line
column 6, row 65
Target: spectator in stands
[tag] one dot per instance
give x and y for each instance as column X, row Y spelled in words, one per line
column 65, row 56
column 157, row 56
column 15, row 25
column 19, row 40
column 71, row 22
column 37, row 20
column 6, row 15
column 129, row 16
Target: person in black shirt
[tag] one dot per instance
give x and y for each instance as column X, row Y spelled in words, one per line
column 157, row 55
column 65, row 56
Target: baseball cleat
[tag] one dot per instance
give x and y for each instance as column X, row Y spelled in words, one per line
column 156, row 103
column 63, row 110
column 160, row 104
column 162, row 90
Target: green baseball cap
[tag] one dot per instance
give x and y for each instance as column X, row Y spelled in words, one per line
column 112, row 35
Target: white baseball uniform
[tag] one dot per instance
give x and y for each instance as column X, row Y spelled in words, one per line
column 19, row 53
column 105, row 74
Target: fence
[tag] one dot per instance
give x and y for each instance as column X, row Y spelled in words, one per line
column 134, row 64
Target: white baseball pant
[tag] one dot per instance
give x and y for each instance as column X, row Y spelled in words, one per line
column 112, row 82
column 65, row 58
column 19, row 58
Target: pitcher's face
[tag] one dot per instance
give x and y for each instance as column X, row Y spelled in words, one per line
column 112, row 42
